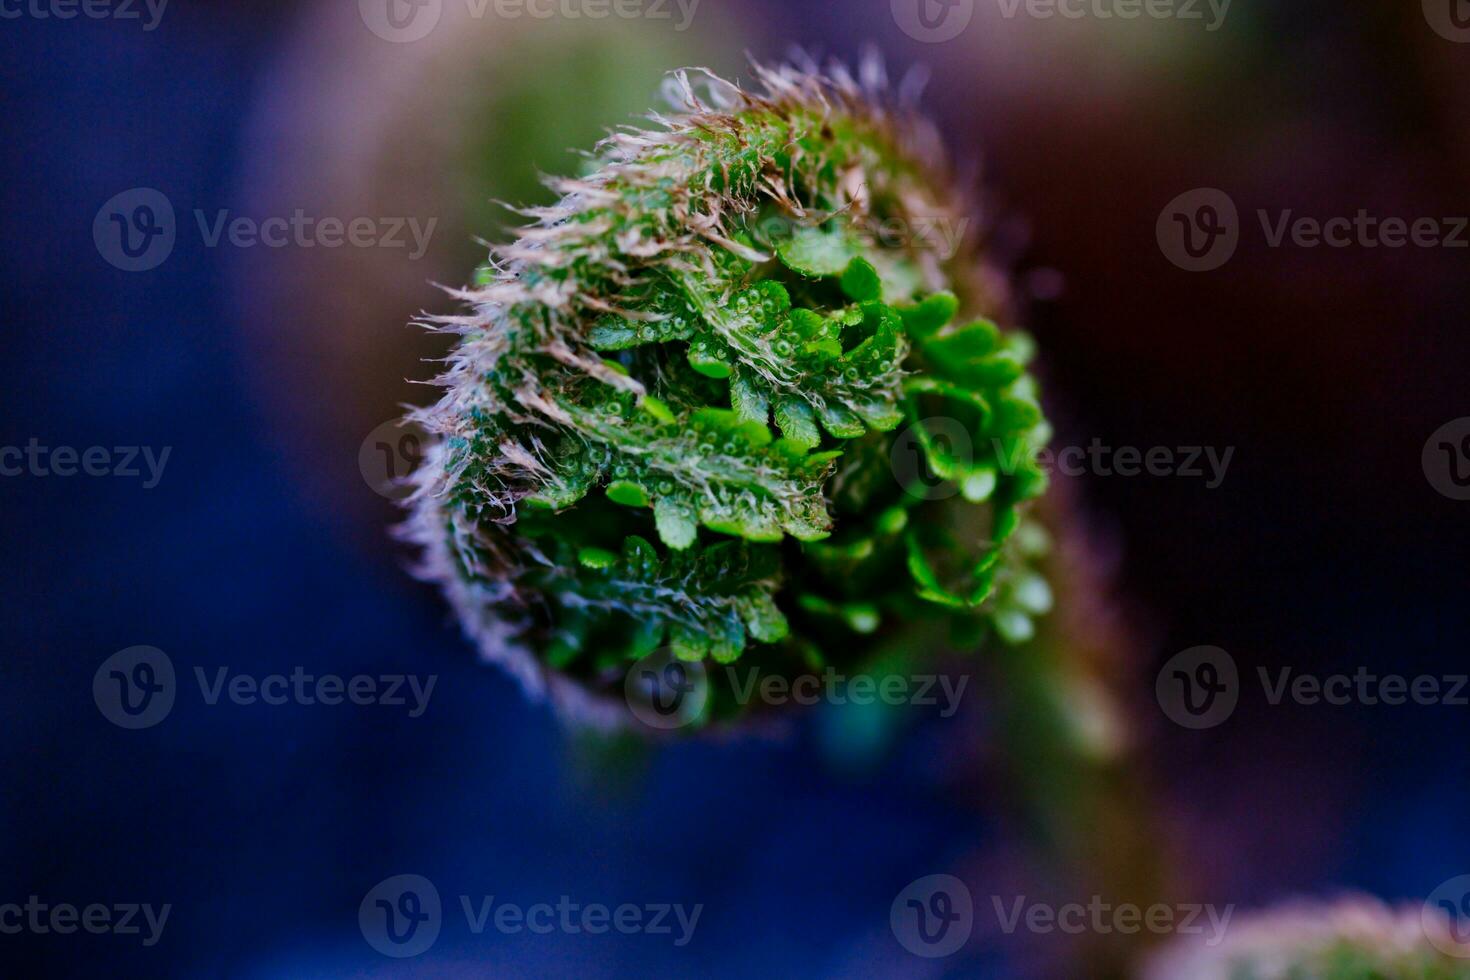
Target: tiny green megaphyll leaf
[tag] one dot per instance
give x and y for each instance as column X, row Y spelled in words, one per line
column 794, row 424
column 860, row 280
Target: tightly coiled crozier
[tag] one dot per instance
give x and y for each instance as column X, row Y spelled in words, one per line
column 737, row 396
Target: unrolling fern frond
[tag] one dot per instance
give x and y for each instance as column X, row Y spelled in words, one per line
column 694, row 404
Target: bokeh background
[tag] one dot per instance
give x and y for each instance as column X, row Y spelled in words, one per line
column 264, row 547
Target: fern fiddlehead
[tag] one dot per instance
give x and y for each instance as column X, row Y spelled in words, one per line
column 680, row 403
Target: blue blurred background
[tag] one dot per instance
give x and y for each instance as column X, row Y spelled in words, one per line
column 263, row 548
